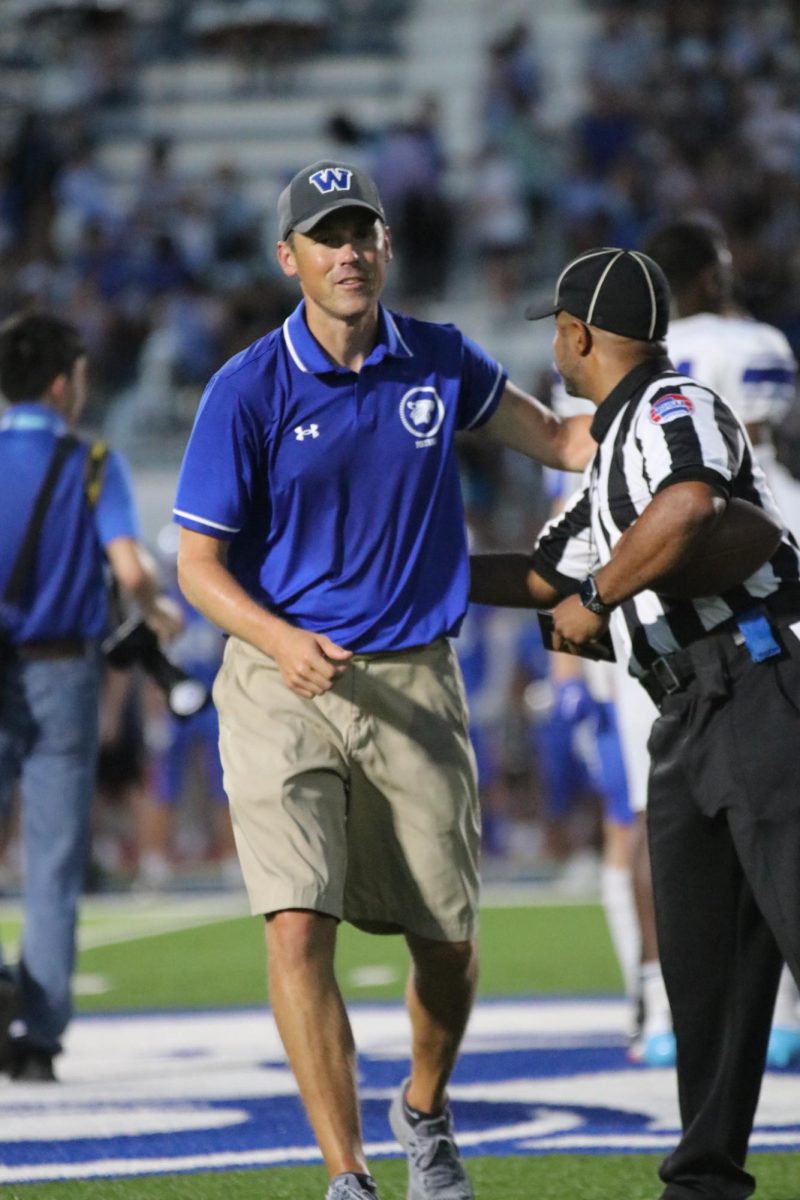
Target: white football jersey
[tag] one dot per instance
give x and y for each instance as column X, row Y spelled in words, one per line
column 748, row 363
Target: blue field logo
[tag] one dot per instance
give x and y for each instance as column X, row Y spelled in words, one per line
column 211, row 1091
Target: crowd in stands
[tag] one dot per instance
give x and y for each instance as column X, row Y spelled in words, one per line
column 691, row 105
column 174, row 279
column 686, row 106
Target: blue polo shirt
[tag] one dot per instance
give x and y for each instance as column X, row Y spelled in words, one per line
column 66, row 593
column 339, row 491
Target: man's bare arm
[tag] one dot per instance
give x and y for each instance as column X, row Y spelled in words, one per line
column 523, row 423
column 509, row 581
column 309, row 662
column 687, row 542
column 741, row 541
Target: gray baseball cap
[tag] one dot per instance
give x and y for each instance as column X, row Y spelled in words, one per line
column 319, row 189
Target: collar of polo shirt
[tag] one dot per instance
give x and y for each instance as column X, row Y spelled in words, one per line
column 308, row 355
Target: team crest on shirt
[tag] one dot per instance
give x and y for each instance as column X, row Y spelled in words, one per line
column 669, row 408
column 422, row 413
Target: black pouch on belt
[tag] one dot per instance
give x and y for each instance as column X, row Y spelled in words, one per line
column 712, row 679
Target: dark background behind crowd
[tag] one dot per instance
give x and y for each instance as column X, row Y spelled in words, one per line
column 124, row 206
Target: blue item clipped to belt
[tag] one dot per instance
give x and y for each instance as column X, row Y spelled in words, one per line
column 757, row 632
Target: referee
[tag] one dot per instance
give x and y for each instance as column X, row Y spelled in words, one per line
column 724, row 671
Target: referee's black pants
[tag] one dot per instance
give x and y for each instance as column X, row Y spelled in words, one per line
column 724, row 833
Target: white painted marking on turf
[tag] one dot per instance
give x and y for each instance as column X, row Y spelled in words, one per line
column 308, row 1154
column 107, row 1122
column 90, row 985
column 535, row 894
column 115, row 920
column 143, row 906
column 168, row 1074
column 760, row 1140
column 544, row 1124
column 157, row 1166
column 377, row 976
column 153, row 925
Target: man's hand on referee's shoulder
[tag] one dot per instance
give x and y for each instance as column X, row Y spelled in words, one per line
column 310, row 663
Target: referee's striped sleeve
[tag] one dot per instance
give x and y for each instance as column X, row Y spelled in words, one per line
column 685, row 432
column 565, row 552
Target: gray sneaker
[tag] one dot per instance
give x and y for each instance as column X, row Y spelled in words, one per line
column 435, row 1171
column 348, row 1187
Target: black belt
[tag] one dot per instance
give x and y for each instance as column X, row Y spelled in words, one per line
column 671, row 673
column 52, row 648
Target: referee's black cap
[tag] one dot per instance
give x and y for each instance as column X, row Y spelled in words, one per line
column 319, row 189
column 622, row 291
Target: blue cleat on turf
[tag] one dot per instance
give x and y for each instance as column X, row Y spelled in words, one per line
column 658, row 1050
column 784, row 1047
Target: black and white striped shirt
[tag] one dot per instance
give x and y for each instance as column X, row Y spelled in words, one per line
column 656, row 428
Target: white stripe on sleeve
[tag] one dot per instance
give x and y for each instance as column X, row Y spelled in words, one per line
column 204, row 521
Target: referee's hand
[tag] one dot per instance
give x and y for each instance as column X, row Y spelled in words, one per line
column 310, row 663
column 574, row 625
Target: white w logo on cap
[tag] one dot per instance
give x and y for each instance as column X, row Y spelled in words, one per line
column 331, row 179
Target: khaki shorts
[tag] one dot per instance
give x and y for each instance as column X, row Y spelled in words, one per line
column 361, row 803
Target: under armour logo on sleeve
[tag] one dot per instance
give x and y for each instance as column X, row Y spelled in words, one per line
column 311, row 431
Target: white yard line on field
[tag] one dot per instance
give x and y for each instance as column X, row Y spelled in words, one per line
column 112, row 920
column 149, row 917
column 115, row 919
column 534, row 894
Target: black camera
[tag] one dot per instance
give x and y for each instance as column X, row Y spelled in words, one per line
column 135, row 642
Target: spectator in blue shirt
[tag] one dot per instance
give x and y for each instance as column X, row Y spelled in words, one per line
column 323, row 530
column 50, row 628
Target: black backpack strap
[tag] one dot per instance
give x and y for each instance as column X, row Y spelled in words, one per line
column 23, row 564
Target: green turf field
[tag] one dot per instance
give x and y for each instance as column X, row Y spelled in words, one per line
column 141, row 960
column 546, row 1177
column 523, row 950
column 183, row 955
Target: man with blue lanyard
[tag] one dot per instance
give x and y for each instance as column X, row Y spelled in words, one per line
column 322, row 529
column 52, row 614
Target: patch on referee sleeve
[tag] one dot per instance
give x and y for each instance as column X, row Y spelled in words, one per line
column 669, row 408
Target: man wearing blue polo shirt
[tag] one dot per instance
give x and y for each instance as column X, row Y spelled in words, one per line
column 50, row 626
column 323, row 530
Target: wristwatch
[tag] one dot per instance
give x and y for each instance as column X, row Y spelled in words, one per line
column 590, row 597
